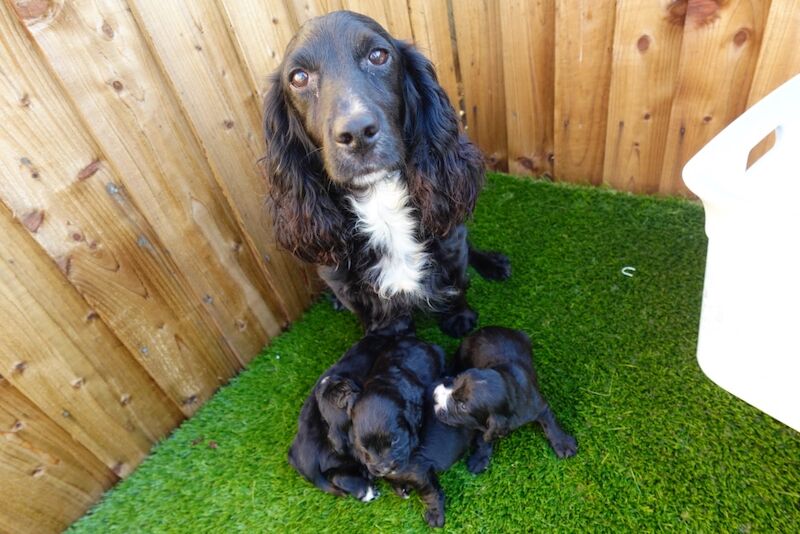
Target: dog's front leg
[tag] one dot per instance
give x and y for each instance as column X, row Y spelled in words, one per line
column 478, row 461
column 432, row 496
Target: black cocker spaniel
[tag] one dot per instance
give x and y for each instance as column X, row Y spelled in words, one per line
column 370, row 176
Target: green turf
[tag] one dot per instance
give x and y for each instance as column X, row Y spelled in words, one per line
column 660, row 447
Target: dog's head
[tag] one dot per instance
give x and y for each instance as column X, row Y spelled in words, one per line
column 347, row 106
column 382, row 436
column 477, row 399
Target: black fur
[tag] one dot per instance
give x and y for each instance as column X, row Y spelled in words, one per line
column 496, row 390
column 321, row 451
column 440, row 447
column 311, row 172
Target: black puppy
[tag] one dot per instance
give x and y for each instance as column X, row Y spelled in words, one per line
column 496, row 391
column 387, row 414
column 440, row 447
column 321, row 450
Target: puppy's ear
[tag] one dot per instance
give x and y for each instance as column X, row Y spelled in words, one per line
column 496, row 427
column 338, row 391
column 306, row 221
column 444, row 169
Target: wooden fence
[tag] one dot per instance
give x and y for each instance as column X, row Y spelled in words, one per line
column 138, row 271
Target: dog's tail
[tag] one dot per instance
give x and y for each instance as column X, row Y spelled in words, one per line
column 490, row 265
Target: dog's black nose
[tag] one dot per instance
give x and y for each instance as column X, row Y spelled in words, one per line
column 356, row 131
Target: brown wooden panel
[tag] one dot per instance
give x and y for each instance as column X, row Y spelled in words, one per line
column 429, row 22
column 584, row 35
column 61, row 355
column 647, row 45
column 193, row 47
column 478, row 38
column 718, row 57
column 48, row 479
column 778, row 60
column 528, row 55
column 60, row 185
column 306, row 9
column 105, row 65
column 391, row 15
column 261, row 32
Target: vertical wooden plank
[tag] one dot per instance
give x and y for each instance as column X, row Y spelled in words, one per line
column 647, row 44
column 431, row 28
column 193, row 47
column 720, row 48
column 306, row 9
column 528, row 72
column 584, row 35
column 261, row 32
column 48, row 479
column 778, row 60
column 392, row 15
column 59, row 184
column 478, row 38
column 61, row 356
column 106, row 66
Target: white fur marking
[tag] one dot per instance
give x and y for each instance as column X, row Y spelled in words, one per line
column 441, row 395
column 386, row 217
column 371, row 494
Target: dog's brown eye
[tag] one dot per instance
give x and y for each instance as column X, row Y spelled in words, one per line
column 378, row 56
column 462, row 405
column 298, row 78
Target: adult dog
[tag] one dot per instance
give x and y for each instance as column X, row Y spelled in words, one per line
column 370, row 176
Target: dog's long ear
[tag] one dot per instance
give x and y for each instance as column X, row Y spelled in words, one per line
column 445, row 170
column 306, row 221
column 338, row 391
column 496, row 427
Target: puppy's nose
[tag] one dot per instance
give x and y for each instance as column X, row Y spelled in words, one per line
column 356, row 131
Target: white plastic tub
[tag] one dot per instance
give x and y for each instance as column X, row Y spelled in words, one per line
column 749, row 340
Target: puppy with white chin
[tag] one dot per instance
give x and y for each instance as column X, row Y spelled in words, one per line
column 496, row 392
column 321, row 451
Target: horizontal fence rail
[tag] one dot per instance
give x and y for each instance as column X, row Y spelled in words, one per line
column 138, row 269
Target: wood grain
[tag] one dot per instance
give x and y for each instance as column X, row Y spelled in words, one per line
column 431, row 28
column 478, row 38
column 584, row 36
column 48, row 479
column 726, row 36
column 261, row 32
column 199, row 57
column 393, row 16
column 777, row 62
column 647, row 45
column 108, row 70
column 62, row 356
column 528, row 72
column 59, row 184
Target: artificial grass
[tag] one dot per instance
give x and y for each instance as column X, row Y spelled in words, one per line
column 660, row 446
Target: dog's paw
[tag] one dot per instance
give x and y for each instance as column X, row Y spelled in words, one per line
column 459, row 324
column 402, row 491
column 477, row 463
column 336, row 304
column 565, row 447
column 496, row 266
column 434, row 517
column 371, row 494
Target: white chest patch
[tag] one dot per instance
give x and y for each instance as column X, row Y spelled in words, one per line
column 385, row 216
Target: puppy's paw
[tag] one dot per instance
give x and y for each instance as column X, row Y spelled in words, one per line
column 494, row 266
column 460, row 323
column 371, row 494
column 434, row 517
column 477, row 463
column 565, row 446
column 402, row 491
